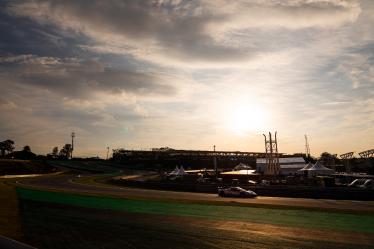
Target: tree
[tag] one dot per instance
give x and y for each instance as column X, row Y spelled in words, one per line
column 65, row 152
column 55, row 151
column 26, row 148
column 329, row 159
column 6, row 146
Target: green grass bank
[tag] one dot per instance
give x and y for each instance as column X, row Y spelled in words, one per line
column 287, row 217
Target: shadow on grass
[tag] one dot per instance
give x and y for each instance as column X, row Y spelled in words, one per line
column 48, row 225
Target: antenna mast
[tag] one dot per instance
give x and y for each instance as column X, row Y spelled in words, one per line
column 307, row 149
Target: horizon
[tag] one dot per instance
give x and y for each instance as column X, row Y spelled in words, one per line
column 187, row 75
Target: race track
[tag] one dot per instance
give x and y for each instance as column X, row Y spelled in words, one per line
column 66, row 183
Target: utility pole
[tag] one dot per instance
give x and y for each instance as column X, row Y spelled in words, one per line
column 72, row 144
column 107, row 153
column 215, row 161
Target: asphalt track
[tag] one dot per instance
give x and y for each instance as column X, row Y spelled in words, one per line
column 66, row 183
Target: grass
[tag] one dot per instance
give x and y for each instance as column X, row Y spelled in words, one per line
column 287, row 217
column 10, row 225
column 19, row 167
column 92, row 166
column 56, row 226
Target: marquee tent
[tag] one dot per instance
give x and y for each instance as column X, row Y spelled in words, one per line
column 241, row 166
column 182, row 172
column 319, row 169
column 175, row 171
column 308, row 166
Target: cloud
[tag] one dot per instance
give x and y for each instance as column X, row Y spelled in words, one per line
column 180, row 32
column 7, row 104
column 289, row 14
column 358, row 67
column 148, row 73
column 75, row 78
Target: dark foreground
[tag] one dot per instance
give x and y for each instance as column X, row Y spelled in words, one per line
column 47, row 225
column 63, row 213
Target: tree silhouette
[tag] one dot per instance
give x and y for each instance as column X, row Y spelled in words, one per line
column 328, row 159
column 55, row 151
column 26, row 148
column 65, row 152
column 6, row 146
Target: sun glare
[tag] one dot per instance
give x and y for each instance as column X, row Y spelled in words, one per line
column 245, row 118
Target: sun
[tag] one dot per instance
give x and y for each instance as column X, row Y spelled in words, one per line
column 245, row 118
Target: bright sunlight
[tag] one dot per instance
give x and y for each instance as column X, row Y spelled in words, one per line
column 245, row 117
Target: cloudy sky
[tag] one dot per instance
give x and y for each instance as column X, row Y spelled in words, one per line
column 187, row 74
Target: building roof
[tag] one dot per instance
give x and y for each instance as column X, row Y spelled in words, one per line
column 284, row 160
column 292, row 166
column 240, row 172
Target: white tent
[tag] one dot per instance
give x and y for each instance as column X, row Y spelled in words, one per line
column 308, row 166
column 241, row 166
column 175, row 171
column 181, row 172
column 319, row 169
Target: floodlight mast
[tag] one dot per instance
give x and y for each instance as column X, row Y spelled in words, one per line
column 272, row 156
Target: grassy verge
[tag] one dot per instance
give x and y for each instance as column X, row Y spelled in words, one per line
column 58, row 226
column 20, row 167
column 10, row 225
column 287, row 217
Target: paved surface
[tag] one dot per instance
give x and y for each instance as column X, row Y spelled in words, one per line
column 66, row 183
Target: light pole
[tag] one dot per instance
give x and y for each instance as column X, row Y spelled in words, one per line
column 107, row 153
column 72, row 144
column 215, row 161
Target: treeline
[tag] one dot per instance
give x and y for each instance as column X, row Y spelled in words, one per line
column 7, row 151
column 64, row 153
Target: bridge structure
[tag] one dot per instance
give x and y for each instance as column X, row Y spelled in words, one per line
column 346, row 157
column 367, row 153
column 190, row 153
column 192, row 159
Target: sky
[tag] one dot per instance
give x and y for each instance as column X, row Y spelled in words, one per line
column 187, row 74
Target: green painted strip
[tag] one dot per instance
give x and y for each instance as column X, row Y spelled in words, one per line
column 288, row 217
